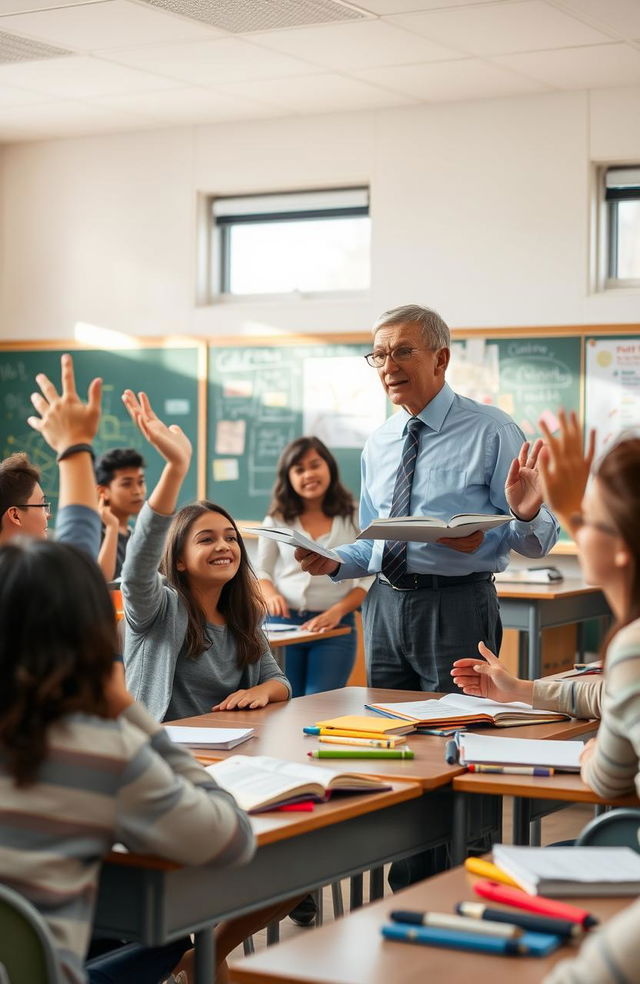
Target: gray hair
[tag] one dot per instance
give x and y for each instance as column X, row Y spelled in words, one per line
column 435, row 332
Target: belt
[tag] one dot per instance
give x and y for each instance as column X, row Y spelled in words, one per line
column 414, row 582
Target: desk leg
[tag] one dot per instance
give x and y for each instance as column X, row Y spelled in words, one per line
column 535, row 832
column 534, row 667
column 459, row 837
column 355, row 895
column 204, row 968
column 521, row 820
column 376, row 884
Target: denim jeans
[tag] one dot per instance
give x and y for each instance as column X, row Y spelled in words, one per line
column 324, row 664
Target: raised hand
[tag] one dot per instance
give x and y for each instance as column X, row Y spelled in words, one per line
column 170, row 441
column 489, row 678
column 64, row 419
column 564, row 467
column 523, row 489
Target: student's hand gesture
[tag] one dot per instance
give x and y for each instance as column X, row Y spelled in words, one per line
column 244, row 700
column 276, row 605
column 313, row 563
column 522, row 489
column 107, row 518
column 65, row 420
column 171, row 442
column 489, row 678
column 322, row 622
column 564, row 467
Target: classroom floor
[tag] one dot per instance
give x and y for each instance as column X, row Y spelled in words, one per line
column 563, row 825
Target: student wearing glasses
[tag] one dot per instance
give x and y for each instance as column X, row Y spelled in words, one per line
column 439, row 455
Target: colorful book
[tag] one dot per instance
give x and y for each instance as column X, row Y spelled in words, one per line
column 460, row 710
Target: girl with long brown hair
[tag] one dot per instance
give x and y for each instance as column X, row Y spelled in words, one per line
column 194, row 641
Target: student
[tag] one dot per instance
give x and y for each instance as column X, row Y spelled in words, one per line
column 193, row 641
column 309, row 496
column 607, row 532
column 23, row 506
column 122, row 491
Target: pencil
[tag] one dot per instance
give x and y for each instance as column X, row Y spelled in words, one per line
column 374, row 753
column 367, row 742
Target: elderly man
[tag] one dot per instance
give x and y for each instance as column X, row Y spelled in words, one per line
column 439, row 455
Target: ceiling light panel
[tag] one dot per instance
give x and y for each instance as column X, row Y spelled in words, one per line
column 244, row 16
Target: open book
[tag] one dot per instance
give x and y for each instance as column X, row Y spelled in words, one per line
column 571, row 870
column 262, row 783
column 460, row 710
column 292, row 537
column 427, row 529
column 208, row 737
column 563, row 756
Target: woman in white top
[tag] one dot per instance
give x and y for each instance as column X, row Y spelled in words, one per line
column 308, row 496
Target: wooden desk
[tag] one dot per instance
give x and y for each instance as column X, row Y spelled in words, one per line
column 154, row 901
column 279, row 639
column 352, row 951
column 534, row 607
column 533, row 797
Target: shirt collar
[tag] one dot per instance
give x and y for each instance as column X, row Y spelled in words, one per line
column 433, row 415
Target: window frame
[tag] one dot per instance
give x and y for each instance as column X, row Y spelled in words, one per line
column 610, row 197
column 221, row 223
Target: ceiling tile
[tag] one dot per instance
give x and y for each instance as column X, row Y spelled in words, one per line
column 79, row 77
column 350, row 46
column 597, row 67
column 467, row 79
column 106, row 25
column 381, row 7
column 65, row 118
column 10, row 97
column 622, row 16
column 20, row 6
column 211, row 62
column 187, row 105
column 320, row 94
column 502, row 28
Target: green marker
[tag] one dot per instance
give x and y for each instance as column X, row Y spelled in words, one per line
column 378, row 753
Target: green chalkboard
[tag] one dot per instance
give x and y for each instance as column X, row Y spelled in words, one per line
column 261, row 397
column 168, row 375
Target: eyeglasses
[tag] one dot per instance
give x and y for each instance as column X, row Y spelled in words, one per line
column 400, row 354
column 36, row 505
column 578, row 521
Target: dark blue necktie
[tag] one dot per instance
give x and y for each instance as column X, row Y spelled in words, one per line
column 394, row 555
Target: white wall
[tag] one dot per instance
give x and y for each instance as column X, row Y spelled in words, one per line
column 480, row 209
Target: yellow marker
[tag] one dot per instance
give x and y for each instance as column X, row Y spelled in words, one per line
column 485, row 869
column 368, row 742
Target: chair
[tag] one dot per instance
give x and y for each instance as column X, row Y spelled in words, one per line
column 617, row 828
column 28, row 953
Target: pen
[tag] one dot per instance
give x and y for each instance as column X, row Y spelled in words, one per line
column 534, row 903
column 444, row 920
column 373, row 753
column 463, row 940
column 451, row 752
column 485, row 869
column 533, row 924
column 338, row 733
column 513, row 770
column 367, row 742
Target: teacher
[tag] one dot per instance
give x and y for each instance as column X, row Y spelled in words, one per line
column 439, row 455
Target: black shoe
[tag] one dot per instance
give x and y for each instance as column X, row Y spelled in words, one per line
column 305, row 912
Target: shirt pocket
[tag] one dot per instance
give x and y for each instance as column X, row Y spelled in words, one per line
column 441, row 491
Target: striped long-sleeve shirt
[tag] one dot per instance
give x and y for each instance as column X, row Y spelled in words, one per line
column 612, row 955
column 105, row 781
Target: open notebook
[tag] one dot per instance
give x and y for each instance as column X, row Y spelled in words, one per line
column 476, row 749
column 208, row 737
column 571, row 870
column 460, row 710
column 262, row 783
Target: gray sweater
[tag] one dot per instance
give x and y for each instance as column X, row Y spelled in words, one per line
column 156, row 623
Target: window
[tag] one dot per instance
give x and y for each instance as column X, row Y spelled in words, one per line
column 622, row 203
column 305, row 242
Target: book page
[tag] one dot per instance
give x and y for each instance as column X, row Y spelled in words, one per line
column 573, row 864
column 283, row 534
column 252, row 786
column 482, row 705
column 423, row 710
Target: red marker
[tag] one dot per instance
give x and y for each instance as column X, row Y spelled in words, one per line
column 534, row 903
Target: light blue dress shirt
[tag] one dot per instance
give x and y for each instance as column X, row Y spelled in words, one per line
column 464, row 457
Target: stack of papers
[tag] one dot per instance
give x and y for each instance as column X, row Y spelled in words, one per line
column 208, row 737
column 571, row 870
column 494, row 750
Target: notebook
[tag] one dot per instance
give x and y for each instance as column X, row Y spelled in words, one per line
column 366, row 727
column 494, row 750
column 259, row 783
column 460, row 710
column 428, row 529
column 208, row 737
column 560, row 871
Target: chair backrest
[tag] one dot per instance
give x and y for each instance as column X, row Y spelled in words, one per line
column 617, row 828
column 28, row 952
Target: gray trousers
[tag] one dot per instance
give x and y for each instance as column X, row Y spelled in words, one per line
column 412, row 638
column 411, row 641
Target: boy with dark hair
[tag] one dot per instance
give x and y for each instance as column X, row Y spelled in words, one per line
column 122, row 491
column 23, row 507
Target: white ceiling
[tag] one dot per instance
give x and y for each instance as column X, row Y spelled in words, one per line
column 96, row 66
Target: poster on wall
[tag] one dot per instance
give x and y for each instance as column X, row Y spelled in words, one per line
column 612, row 394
